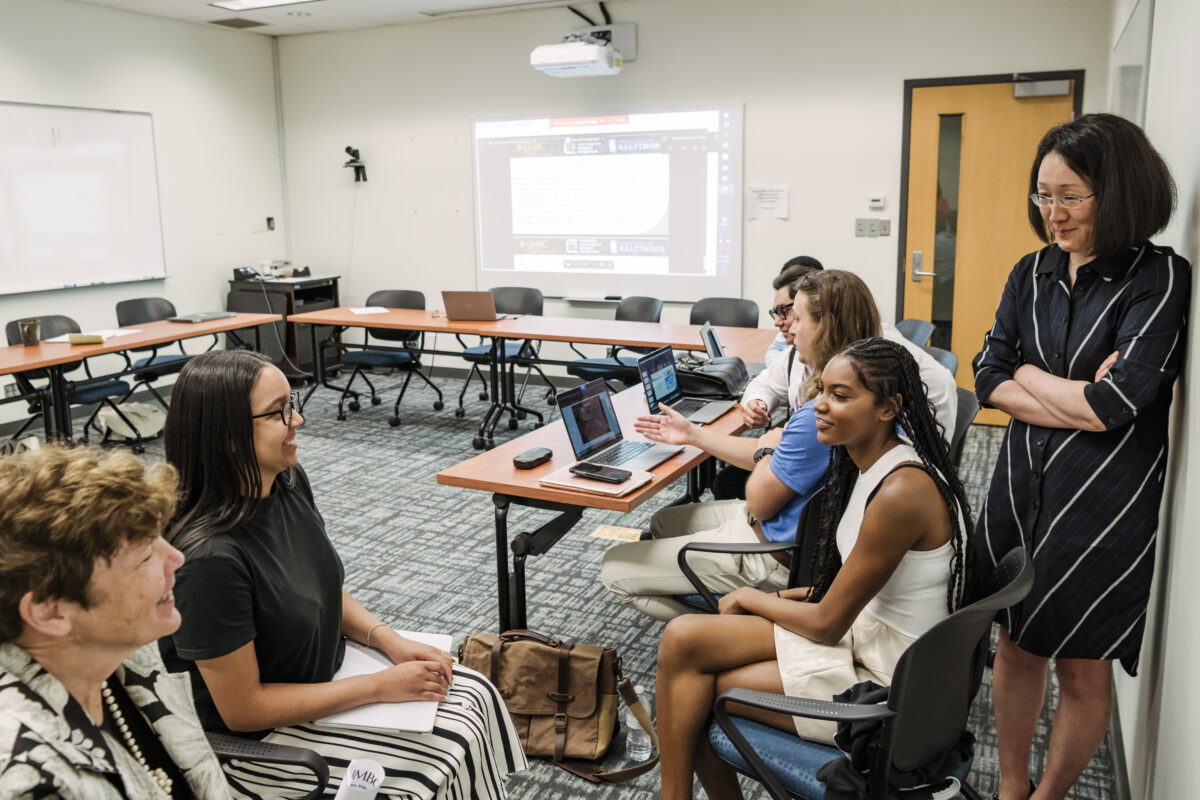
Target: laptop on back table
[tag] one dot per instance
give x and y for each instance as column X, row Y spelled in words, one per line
column 470, row 306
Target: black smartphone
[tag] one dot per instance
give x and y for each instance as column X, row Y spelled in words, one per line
column 601, row 473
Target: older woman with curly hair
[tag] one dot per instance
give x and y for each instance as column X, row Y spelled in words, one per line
column 86, row 706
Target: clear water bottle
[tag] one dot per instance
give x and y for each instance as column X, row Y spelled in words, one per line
column 637, row 739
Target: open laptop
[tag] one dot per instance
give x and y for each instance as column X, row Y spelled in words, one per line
column 712, row 345
column 203, row 316
column 661, row 383
column 470, row 306
column 595, row 433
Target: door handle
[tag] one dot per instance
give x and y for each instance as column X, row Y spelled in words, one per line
column 917, row 274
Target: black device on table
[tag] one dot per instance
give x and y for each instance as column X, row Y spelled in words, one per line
column 599, row 472
column 532, row 458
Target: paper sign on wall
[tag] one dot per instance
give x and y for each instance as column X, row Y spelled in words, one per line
column 767, row 200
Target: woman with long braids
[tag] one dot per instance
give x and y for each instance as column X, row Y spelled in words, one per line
column 894, row 516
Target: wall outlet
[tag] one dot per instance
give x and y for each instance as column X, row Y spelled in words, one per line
column 873, row 228
column 860, row 226
column 885, row 226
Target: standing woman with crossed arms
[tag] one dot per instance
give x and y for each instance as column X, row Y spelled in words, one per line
column 1083, row 353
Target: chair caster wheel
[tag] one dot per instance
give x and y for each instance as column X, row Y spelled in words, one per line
column 477, row 443
column 353, row 405
column 483, row 395
column 520, row 415
column 394, row 422
column 376, row 401
column 537, row 425
column 138, row 449
column 438, row 405
column 552, row 400
column 489, row 445
column 341, row 416
column 512, row 424
column 460, row 412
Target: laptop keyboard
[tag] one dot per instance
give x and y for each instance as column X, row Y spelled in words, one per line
column 689, row 405
column 621, row 453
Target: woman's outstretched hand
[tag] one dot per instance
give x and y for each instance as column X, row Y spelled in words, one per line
column 670, row 426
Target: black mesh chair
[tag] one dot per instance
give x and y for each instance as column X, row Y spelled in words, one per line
column 98, row 391
column 968, row 408
column 149, row 369
column 734, row 312
column 514, row 300
column 944, row 357
column 615, row 366
column 916, row 331
column 921, row 722
column 236, row 748
column 407, row 359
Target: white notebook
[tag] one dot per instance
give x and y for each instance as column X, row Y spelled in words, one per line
column 416, row 716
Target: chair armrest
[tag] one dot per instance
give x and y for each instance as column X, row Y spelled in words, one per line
column 710, row 599
column 228, row 748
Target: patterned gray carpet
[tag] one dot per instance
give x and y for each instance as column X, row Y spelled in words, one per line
column 421, row 556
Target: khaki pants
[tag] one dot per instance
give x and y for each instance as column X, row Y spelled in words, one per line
column 646, row 574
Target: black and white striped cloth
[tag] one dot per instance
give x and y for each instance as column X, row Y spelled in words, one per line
column 1085, row 504
column 472, row 749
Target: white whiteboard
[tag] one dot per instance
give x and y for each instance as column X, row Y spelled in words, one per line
column 78, row 198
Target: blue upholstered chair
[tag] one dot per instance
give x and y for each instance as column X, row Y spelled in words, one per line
column 968, row 408
column 406, row 359
column 925, row 714
column 943, row 357
column 916, row 331
column 615, row 366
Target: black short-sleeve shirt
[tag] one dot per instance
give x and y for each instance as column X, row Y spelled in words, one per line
column 274, row 580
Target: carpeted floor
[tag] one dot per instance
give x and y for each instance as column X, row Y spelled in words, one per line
column 421, row 556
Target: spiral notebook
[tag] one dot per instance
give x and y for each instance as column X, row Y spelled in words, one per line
column 416, row 716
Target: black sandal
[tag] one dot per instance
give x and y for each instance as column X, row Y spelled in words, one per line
column 1032, row 789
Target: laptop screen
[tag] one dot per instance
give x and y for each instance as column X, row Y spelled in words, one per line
column 590, row 418
column 712, row 345
column 657, row 369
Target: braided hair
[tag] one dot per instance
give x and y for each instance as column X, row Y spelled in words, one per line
column 887, row 370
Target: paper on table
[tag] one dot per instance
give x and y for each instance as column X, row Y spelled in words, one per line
column 369, row 310
column 416, row 716
column 103, row 333
column 616, row 533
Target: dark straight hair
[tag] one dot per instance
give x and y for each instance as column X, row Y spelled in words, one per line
column 209, row 439
column 1134, row 191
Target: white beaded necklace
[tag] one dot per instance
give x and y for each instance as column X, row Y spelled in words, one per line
column 158, row 774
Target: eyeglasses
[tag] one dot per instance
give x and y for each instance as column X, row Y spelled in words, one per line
column 780, row 311
column 286, row 412
column 1066, row 201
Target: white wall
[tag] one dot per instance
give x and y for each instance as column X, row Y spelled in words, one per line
column 212, row 95
column 822, row 85
column 1160, row 709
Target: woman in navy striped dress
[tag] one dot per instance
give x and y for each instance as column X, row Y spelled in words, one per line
column 1083, row 354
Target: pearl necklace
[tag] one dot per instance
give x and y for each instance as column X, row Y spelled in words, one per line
column 158, row 774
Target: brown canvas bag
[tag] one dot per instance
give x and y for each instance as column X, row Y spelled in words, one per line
column 562, row 697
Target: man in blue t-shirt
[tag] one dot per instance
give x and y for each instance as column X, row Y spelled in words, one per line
column 786, row 467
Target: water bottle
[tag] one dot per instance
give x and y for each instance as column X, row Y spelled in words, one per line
column 637, row 740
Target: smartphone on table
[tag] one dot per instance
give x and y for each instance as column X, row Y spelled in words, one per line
column 599, row 472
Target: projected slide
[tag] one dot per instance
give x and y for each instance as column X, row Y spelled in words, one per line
column 579, row 201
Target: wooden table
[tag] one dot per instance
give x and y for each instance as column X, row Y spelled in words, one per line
column 53, row 357
column 748, row 343
column 494, row 472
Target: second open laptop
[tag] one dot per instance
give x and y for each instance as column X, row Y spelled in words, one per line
column 661, row 382
column 470, row 306
column 595, row 433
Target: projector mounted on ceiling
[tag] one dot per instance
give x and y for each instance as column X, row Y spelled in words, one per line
column 576, row 56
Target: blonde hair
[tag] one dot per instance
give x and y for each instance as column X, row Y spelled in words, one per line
column 843, row 308
column 65, row 507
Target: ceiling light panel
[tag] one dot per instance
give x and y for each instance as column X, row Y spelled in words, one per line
column 251, row 5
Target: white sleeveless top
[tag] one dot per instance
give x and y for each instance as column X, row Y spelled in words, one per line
column 914, row 598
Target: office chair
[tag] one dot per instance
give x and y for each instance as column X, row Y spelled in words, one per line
column 916, row 331
column 921, row 723
column 968, row 408
column 235, row 748
column 944, row 357
column 407, row 359
column 100, row 391
column 734, row 312
column 515, row 301
column 151, row 309
column 614, row 366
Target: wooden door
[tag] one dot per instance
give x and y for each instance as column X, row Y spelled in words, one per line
column 970, row 150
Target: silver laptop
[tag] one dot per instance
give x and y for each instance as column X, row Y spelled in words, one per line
column 203, row 316
column 661, row 382
column 470, row 306
column 712, row 345
column 595, row 433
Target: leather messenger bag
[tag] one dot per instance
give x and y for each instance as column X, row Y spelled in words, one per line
column 562, row 697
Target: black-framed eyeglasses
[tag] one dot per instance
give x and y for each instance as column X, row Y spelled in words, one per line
column 286, row 412
column 1066, row 201
column 780, row 311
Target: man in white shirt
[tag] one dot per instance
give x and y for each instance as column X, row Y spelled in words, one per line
column 782, row 341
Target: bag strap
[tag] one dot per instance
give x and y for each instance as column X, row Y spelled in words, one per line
column 561, row 698
column 594, row 772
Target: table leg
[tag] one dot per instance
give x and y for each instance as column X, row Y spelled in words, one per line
column 58, row 398
column 501, row 502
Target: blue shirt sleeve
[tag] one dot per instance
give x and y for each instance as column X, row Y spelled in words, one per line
column 800, row 462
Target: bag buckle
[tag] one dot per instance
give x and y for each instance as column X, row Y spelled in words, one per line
column 560, row 722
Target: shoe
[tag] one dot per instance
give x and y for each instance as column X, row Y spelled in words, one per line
column 1032, row 789
column 645, row 536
